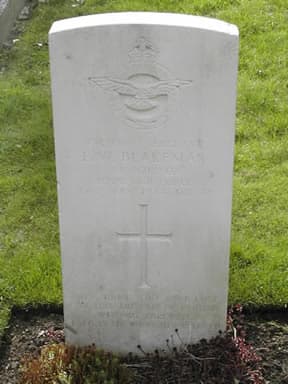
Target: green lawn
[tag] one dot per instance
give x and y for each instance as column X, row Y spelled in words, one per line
column 29, row 250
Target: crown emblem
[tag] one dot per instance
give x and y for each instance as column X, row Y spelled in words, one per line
column 143, row 51
column 141, row 97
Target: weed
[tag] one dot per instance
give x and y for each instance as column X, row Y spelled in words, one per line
column 68, row 364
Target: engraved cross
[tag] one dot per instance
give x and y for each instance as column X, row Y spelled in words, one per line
column 144, row 236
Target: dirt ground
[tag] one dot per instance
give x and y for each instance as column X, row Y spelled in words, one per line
column 27, row 333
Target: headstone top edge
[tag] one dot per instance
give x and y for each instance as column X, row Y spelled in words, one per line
column 147, row 18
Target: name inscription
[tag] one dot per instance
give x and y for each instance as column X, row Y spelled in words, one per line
column 168, row 167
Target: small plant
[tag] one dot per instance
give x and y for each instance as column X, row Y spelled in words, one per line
column 225, row 359
column 244, row 355
column 66, row 364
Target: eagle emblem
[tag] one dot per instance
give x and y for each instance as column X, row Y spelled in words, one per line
column 143, row 95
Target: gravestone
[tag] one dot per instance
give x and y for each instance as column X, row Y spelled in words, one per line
column 144, row 107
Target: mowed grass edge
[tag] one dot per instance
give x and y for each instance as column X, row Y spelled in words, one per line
column 30, row 267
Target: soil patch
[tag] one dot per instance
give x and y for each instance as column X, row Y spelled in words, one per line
column 28, row 332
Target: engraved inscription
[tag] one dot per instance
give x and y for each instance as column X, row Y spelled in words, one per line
column 142, row 96
column 144, row 236
column 156, row 156
column 151, row 311
column 162, row 166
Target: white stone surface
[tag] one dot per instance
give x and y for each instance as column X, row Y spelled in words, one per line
column 144, row 108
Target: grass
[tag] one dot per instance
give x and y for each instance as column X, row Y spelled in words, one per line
column 30, row 270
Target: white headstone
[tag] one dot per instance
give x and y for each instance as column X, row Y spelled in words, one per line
column 144, row 107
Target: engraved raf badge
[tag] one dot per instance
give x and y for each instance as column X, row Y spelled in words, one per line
column 142, row 97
